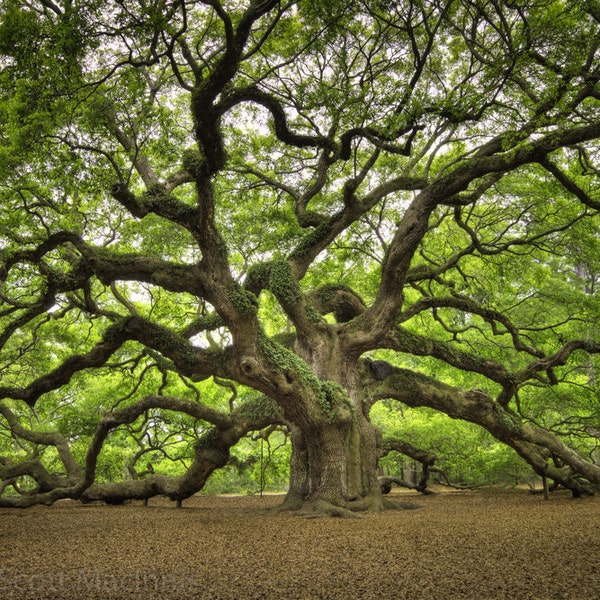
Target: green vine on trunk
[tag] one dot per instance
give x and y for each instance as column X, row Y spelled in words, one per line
column 332, row 396
column 281, row 282
column 259, row 408
column 508, row 421
column 245, row 302
column 328, row 395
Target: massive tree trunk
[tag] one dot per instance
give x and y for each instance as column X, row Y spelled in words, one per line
column 335, row 463
column 334, row 466
column 335, row 447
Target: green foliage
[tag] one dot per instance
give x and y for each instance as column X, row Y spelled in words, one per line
column 256, row 465
column 244, row 301
column 328, row 395
column 465, row 452
column 330, row 125
column 259, row 407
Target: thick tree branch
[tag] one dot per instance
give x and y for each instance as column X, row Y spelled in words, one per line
column 557, row 359
column 113, row 338
column 385, row 310
column 467, row 305
column 72, row 468
column 282, row 130
column 427, row 460
column 211, row 451
column 193, row 362
column 534, row 444
column 569, row 184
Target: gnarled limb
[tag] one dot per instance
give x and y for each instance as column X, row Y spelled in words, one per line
column 211, row 451
column 113, row 339
column 533, row 443
column 427, row 460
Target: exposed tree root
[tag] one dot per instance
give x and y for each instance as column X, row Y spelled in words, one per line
column 314, row 509
column 399, row 505
column 292, row 503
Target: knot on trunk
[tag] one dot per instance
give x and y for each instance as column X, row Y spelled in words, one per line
column 249, row 365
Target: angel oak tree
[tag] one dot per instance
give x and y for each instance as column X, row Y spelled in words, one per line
column 333, row 204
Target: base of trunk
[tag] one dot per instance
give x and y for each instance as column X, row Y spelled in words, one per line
column 312, row 508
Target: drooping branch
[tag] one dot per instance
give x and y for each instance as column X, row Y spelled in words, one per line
column 190, row 361
column 211, row 451
column 427, row 460
column 32, row 467
column 533, row 443
column 72, row 468
column 569, row 184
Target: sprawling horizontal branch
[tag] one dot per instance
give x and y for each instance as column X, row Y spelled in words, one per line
column 505, row 160
column 146, row 269
column 108, row 267
column 34, row 255
column 211, row 451
column 534, row 444
column 32, row 467
column 72, row 468
column 403, row 340
column 557, row 359
column 159, row 201
column 402, row 446
column 467, row 305
column 190, row 361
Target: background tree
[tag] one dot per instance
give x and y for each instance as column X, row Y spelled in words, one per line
column 280, row 213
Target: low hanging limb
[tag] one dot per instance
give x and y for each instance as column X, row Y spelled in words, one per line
column 211, row 451
column 427, row 459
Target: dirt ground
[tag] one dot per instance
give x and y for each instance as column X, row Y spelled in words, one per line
column 486, row 544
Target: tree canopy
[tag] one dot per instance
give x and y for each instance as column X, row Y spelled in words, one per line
column 231, row 216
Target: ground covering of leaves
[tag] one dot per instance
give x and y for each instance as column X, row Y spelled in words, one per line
column 487, row 544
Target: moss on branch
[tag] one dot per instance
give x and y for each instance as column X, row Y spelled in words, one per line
column 328, row 395
column 244, row 301
column 282, row 283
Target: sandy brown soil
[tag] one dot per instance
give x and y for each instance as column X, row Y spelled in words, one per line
column 486, row 544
